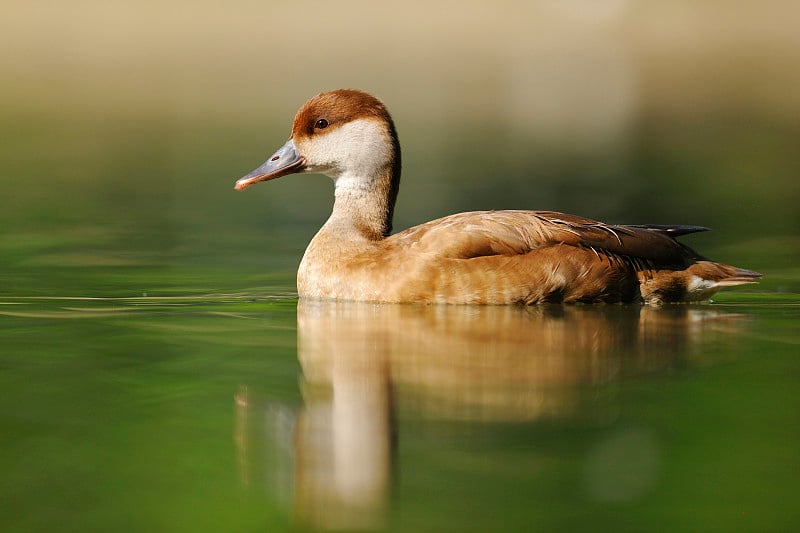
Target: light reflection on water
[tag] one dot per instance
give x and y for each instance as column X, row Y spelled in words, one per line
column 363, row 363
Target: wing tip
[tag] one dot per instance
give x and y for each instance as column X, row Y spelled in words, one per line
column 673, row 230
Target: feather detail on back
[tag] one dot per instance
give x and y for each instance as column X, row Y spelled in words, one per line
column 597, row 259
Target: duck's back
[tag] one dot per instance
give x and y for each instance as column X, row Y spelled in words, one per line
column 502, row 257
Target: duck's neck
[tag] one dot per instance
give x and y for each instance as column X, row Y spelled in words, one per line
column 365, row 205
column 365, row 196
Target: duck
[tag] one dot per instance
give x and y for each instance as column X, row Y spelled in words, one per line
column 479, row 257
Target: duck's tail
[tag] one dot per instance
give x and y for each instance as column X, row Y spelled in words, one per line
column 722, row 275
column 699, row 281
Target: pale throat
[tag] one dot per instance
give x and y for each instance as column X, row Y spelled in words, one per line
column 363, row 204
column 362, row 178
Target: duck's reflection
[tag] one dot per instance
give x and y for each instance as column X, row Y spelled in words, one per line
column 485, row 363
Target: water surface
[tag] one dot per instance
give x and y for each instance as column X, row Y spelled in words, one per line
column 250, row 411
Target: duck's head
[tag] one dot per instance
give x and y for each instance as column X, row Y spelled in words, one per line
column 345, row 134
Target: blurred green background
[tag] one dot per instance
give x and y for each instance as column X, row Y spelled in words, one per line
column 181, row 402
column 124, row 124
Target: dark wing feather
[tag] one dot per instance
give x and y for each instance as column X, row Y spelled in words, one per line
column 651, row 242
column 673, row 231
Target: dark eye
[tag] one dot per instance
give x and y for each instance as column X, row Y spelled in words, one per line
column 321, row 124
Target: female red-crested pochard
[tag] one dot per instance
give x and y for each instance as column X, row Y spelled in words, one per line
column 482, row 257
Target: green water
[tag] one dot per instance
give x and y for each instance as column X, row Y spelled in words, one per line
column 158, row 375
column 196, row 413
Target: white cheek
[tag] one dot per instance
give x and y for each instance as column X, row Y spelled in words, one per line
column 357, row 148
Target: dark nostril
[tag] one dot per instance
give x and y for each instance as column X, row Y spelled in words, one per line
column 275, row 158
